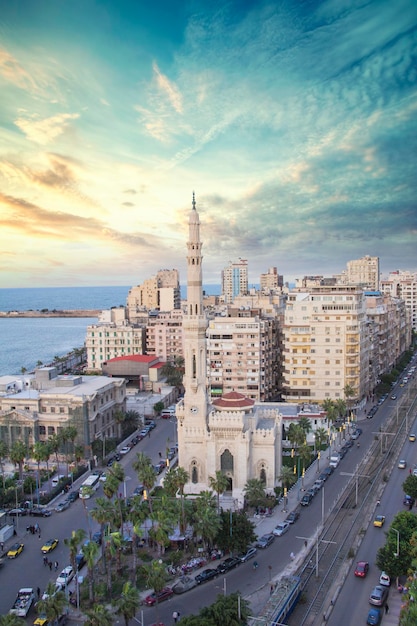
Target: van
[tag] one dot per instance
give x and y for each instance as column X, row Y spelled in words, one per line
column 57, row 479
column 334, row 459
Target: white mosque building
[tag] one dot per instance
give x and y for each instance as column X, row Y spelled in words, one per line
column 232, row 434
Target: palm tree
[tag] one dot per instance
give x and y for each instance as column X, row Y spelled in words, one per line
column 349, row 393
column 340, row 407
column 40, row 453
column 4, row 453
column 155, row 576
column 287, row 477
column 219, row 483
column 305, row 424
column 11, row 620
column 180, row 479
column 331, row 411
column 128, row 603
column 99, row 615
column 53, row 606
column 17, row 454
column 90, row 551
column 320, row 437
column 73, row 543
column 206, row 522
column 136, row 515
column 164, row 519
column 254, row 491
column 54, row 443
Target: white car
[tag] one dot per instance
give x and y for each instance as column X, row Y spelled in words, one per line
column 65, row 576
column 384, row 580
column 402, row 464
column 124, row 450
column 281, row 528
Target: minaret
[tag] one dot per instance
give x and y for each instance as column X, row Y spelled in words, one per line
column 192, row 414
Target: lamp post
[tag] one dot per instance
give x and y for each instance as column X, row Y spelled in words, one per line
column 397, row 554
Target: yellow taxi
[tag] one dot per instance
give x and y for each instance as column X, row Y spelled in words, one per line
column 41, row 620
column 15, row 550
column 49, row 545
column 379, row 521
column 411, row 437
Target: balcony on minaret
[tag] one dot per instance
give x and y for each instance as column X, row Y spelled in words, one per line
column 194, row 384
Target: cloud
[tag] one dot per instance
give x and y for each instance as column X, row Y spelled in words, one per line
column 44, row 131
column 13, row 72
column 168, row 88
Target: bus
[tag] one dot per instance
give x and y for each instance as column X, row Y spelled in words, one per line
column 90, row 485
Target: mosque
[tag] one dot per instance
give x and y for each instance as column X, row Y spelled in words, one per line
column 233, row 434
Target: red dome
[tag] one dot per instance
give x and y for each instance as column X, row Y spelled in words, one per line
column 233, row 401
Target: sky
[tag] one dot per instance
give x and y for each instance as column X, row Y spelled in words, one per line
column 293, row 121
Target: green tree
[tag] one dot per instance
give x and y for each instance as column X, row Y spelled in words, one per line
column 4, row 453
column 320, row 437
column 230, row 610
column 18, row 453
column 53, row 605
column 410, row 486
column 173, row 371
column 254, row 491
column 331, row 411
column 305, row 424
column 99, row 615
column 287, row 477
column 236, row 531
column 90, row 551
column 11, row 620
column 73, row 544
column 206, row 520
column 158, row 407
column 180, row 479
column 128, row 603
column 40, row 452
column 219, row 483
column 54, row 443
column 349, row 395
column 155, row 577
column 395, row 556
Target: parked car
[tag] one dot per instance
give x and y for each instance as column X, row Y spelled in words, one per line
column 162, row 595
column 378, row 595
column 361, row 569
column 65, row 576
column 205, row 575
column 384, row 579
column 74, row 495
column 124, row 450
column 185, row 583
column 306, row 499
column 39, row 512
column 80, row 560
column 18, row 511
column 62, row 506
column 228, row 564
column 412, row 437
column 139, row 490
column 408, row 500
column 281, row 529
column 249, row 554
column 374, row 617
column 292, row 517
column 265, row 540
column 97, row 537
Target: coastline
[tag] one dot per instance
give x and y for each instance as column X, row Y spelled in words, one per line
column 54, row 313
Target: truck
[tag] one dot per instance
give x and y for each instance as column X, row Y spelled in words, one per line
column 23, row 602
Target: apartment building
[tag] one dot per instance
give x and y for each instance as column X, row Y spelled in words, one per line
column 161, row 292
column 403, row 285
column 164, row 335
column 105, row 341
column 235, row 280
column 243, row 356
column 44, row 403
column 363, row 272
column 325, row 344
column 271, row 281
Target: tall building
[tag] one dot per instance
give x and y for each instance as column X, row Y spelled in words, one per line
column 161, row 292
column 109, row 339
column 363, row 272
column 235, row 280
column 164, row 336
column 325, row 344
column 271, row 281
column 403, row 285
column 232, row 434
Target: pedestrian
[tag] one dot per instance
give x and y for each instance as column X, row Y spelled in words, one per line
column 160, row 455
column 175, row 616
column 292, row 556
column 45, row 561
column 50, row 565
column 38, row 591
column 2, row 545
column 56, row 565
column 386, row 609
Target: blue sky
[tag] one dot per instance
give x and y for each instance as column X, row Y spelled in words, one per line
column 294, row 122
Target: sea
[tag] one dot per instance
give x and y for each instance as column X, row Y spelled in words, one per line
column 27, row 342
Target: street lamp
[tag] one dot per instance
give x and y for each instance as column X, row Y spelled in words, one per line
column 397, row 554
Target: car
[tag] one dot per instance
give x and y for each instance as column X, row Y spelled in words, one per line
column 80, row 560
column 124, row 450
column 348, row 444
column 150, row 423
column 65, row 576
column 384, row 580
column 306, row 499
column 18, row 511
column 228, row 564
column 139, row 490
column 205, row 575
column 183, row 584
column 49, row 545
column 328, row 471
column 361, row 569
column 292, row 517
column 323, row 476
column 354, row 435
column 411, row 437
column 249, row 554
column 41, row 620
column 374, row 617
column 15, row 550
column 281, row 529
column 57, row 588
column 162, row 595
column 415, row 471
column 39, row 512
column 97, row 537
column 74, row 495
column 402, row 464
column 144, row 432
column 62, row 506
column 379, row 521
column 409, row 501
column 265, row 540
column 393, row 397
column 378, row 595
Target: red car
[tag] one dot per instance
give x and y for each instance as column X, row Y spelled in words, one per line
column 362, row 568
column 162, row 595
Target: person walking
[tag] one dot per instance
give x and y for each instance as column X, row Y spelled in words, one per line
column 175, row 616
column 38, row 591
column 50, row 565
column 56, row 565
column 45, row 561
column 2, row 545
column 386, row 609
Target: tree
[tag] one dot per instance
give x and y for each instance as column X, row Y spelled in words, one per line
column 349, row 394
column 173, row 371
column 40, row 452
column 158, row 407
column 155, row 577
column 53, row 605
column 54, row 443
column 206, row 522
column 90, row 551
column 236, row 532
column 128, row 603
column 18, row 453
column 410, row 486
column 254, row 491
column 98, row 615
column 305, row 424
column 320, row 437
column 287, row 477
column 73, row 543
column 226, row 611
column 395, row 557
column 11, row 620
column 331, row 411
column 4, row 453
column 180, row 477
column 219, row 483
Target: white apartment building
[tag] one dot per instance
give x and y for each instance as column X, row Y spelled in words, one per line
column 271, row 281
column 106, row 341
column 161, row 292
column 45, row 403
column 164, row 336
column 363, row 272
column 235, row 280
column 325, row 344
column 403, row 285
column 243, row 356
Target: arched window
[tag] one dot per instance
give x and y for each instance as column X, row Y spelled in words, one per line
column 262, row 475
column 226, row 461
column 194, row 473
